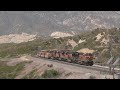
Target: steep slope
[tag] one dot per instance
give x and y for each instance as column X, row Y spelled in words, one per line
column 97, row 42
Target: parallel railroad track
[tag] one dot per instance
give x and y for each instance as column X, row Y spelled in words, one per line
column 94, row 67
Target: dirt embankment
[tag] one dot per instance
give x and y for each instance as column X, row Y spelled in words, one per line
column 66, row 71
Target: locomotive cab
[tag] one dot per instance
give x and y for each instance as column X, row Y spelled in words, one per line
column 42, row 53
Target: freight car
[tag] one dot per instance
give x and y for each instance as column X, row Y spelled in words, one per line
column 68, row 56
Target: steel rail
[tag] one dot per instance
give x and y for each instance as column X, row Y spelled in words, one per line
column 96, row 67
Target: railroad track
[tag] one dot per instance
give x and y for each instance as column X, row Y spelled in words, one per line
column 94, row 67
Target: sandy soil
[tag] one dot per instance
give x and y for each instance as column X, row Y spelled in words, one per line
column 68, row 71
column 86, row 50
column 17, row 38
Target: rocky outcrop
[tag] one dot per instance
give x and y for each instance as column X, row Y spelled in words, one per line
column 60, row 34
column 17, row 38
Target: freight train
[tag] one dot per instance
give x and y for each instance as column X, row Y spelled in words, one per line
column 68, row 56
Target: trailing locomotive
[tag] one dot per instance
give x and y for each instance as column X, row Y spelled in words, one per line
column 68, row 56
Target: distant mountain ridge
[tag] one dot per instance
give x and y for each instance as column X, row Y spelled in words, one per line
column 47, row 22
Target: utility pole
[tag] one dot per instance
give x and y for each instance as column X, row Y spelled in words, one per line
column 109, row 43
column 109, row 48
column 113, row 61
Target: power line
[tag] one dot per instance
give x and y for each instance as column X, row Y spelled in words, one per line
column 116, row 12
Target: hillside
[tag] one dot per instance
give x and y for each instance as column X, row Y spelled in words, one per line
column 17, row 38
column 27, row 67
column 95, row 42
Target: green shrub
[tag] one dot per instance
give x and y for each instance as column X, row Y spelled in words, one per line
column 92, row 77
column 50, row 74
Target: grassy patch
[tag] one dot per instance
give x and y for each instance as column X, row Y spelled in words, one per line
column 47, row 74
column 10, row 72
column 31, row 75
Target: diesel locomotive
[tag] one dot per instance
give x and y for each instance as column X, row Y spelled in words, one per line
column 68, row 56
